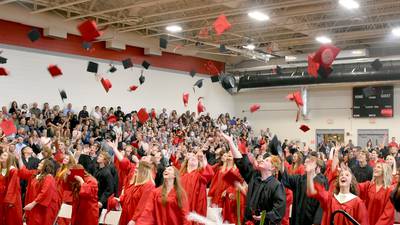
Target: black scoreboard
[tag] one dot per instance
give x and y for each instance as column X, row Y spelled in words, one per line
column 373, row 101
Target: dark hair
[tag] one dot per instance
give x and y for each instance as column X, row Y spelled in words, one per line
column 48, row 168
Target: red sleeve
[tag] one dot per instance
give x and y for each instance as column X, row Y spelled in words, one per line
column 89, row 188
column 300, row 170
column 46, row 193
column 13, row 193
column 207, row 174
column 387, row 217
column 185, row 211
column 363, row 189
column 125, row 165
column 175, row 161
column 143, row 200
column 321, row 195
column 362, row 213
column 148, row 217
column 26, row 174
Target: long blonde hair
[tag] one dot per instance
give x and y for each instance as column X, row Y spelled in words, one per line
column 143, row 173
column 180, row 192
column 11, row 161
column 65, row 167
column 387, row 174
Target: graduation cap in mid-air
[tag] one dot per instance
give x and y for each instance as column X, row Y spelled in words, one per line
column 221, row 24
column 92, row 67
column 3, row 60
column 215, row 78
column 34, row 35
column 199, row 84
column 163, row 43
column 376, row 65
column 63, row 95
column 145, row 64
column 255, row 107
column 142, row 78
column 185, row 98
column 112, row 69
column 54, row 70
column 275, row 146
column 3, row 71
column 304, row 128
column 192, row 73
column 89, row 30
column 127, row 63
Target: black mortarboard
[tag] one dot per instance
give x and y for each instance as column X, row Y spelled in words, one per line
column 3, row 60
column 63, row 95
column 86, row 45
column 145, row 64
column 163, row 43
column 92, row 67
column 222, row 48
column 199, row 83
column 279, row 70
column 112, row 69
column 377, row 65
column 275, row 146
column 192, row 73
column 34, row 35
column 324, row 72
column 214, row 79
column 127, row 63
column 369, row 91
column 142, row 78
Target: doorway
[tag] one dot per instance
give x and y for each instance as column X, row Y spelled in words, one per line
column 377, row 136
column 328, row 136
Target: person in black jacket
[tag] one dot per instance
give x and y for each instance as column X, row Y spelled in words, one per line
column 305, row 210
column 265, row 192
column 104, row 179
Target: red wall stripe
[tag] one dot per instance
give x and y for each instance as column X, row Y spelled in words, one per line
column 12, row 33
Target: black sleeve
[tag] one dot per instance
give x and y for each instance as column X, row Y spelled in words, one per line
column 290, row 181
column 279, row 205
column 318, row 216
column 114, row 174
column 245, row 168
column 395, row 197
column 159, row 175
column 109, row 187
column 87, row 163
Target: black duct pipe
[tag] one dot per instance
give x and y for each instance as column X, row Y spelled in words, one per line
column 257, row 81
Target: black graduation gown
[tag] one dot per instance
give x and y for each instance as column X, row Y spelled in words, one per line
column 268, row 194
column 105, row 184
column 395, row 200
column 305, row 210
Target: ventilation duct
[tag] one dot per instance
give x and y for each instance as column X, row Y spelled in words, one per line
column 258, row 81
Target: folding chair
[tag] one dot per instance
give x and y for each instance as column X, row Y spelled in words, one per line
column 64, row 212
column 112, row 217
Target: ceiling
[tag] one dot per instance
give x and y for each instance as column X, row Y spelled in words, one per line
column 292, row 28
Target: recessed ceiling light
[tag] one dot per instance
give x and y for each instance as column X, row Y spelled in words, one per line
column 349, row 4
column 323, row 40
column 250, row 47
column 396, row 31
column 258, row 16
column 174, row 28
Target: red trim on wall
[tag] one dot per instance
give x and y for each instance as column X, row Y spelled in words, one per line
column 12, row 33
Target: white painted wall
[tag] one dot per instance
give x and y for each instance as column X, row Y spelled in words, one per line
column 282, row 122
column 29, row 81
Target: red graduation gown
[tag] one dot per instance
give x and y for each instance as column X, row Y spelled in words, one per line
column 229, row 204
column 195, row 185
column 45, row 193
column 133, row 200
column 85, row 210
column 65, row 193
column 380, row 209
column 155, row 213
column 10, row 199
column 123, row 168
column 217, row 186
column 355, row 207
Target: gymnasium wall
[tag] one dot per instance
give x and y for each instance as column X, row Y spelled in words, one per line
column 29, row 81
column 280, row 113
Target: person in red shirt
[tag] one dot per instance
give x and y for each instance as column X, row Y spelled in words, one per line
column 393, row 143
column 195, row 175
column 376, row 195
column 85, row 208
column 344, row 197
column 10, row 191
column 42, row 198
column 168, row 204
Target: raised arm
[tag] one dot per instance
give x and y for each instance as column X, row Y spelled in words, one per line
column 113, row 145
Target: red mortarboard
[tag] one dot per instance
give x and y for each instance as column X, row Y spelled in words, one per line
column 221, row 24
column 3, row 71
column 88, row 30
column 255, row 107
column 231, row 177
column 326, row 54
column 112, row 119
column 290, row 97
column 304, row 128
column 387, row 112
column 106, row 84
column 54, row 70
column 185, row 98
column 112, row 204
column 143, row 115
column 200, row 106
column 133, row 88
column 75, row 172
column 297, row 98
column 8, row 127
column 312, row 66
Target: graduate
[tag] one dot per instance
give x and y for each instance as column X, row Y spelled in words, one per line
column 218, row 185
column 195, row 175
column 63, row 187
column 85, row 209
column 168, row 204
column 42, row 200
column 265, row 192
column 104, row 179
column 306, row 211
column 10, row 191
column 344, row 197
column 376, row 195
